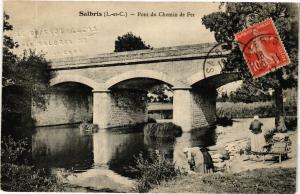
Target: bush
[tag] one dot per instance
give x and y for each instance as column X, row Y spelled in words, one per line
column 12, row 151
column 291, row 122
column 162, row 130
column 224, row 121
column 16, row 175
column 88, row 128
column 153, row 171
column 22, row 178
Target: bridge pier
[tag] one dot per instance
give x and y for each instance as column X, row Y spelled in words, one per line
column 101, row 108
column 194, row 108
column 182, row 109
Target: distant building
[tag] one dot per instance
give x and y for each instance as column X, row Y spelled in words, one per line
column 160, row 110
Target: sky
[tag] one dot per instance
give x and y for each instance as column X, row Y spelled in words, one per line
column 48, row 19
column 57, row 29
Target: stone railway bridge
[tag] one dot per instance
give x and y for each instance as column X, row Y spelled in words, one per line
column 111, row 89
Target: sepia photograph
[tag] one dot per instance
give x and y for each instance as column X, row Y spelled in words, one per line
column 149, row 97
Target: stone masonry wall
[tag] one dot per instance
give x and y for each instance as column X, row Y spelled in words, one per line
column 128, row 107
column 203, row 107
column 64, row 107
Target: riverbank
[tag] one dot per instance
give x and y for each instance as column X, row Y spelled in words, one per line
column 239, row 135
column 244, row 175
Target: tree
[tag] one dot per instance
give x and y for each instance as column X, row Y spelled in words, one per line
column 236, row 17
column 130, row 42
column 25, row 80
column 247, row 93
column 162, row 92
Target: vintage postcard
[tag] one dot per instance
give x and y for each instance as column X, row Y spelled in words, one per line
column 167, row 97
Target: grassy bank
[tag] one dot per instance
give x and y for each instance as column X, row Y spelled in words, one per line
column 276, row 180
column 247, row 110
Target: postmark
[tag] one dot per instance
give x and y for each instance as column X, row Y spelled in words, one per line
column 262, row 48
column 214, row 60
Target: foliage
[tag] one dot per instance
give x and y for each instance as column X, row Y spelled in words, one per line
column 130, row 42
column 13, row 151
column 224, row 121
column 228, row 110
column 22, row 178
column 269, row 135
column 9, row 59
column 162, row 130
column 15, row 176
column 153, row 171
column 160, row 94
column 236, row 17
column 247, row 93
column 291, row 122
column 25, row 80
column 269, row 180
column 247, row 110
column 88, row 128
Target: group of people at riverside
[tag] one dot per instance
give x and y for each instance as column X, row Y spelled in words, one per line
column 206, row 164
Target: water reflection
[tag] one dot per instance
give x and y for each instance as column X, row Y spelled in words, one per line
column 62, row 147
column 117, row 150
column 65, row 147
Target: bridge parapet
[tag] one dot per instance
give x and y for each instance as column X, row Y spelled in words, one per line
column 197, row 51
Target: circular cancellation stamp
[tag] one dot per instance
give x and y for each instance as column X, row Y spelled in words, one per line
column 214, row 60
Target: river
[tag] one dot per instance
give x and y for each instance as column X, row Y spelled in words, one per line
column 100, row 161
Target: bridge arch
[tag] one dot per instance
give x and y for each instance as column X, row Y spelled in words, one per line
column 143, row 74
column 76, row 78
column 216, row 80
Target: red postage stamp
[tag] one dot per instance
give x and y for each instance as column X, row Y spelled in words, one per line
column 262, row 48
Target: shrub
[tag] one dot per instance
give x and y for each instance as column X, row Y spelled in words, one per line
column 88, row 128
column 22, row 178
column 224, row 121
column 13, row 151
column 153, row 171
column 291, row 122
column 162, row 130
column 15, row 176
